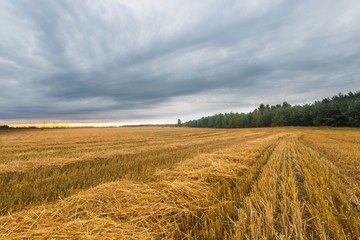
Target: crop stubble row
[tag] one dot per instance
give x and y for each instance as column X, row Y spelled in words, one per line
column 276, row 186
column 46, row 183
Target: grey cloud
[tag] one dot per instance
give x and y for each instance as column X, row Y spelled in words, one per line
column 74, row 60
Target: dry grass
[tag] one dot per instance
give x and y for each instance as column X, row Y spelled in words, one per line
column 282, row 183
column 26, row 150
column 341, row 148
column 156, row 148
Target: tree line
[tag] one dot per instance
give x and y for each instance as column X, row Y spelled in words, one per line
column 338, row 111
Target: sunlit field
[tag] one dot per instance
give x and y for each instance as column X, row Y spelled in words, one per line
column 180, row 183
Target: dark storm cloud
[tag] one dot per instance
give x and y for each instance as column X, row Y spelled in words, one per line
column 159, row 59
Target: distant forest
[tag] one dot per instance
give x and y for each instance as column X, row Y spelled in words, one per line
column 337, row 111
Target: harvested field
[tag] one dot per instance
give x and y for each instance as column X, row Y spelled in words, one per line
column 180, row 183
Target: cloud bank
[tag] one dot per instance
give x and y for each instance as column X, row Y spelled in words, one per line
column 160, row 60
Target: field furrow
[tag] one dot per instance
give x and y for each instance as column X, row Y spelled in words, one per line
column 298, row 196
column 276, row 183
column 196, row 199
column 273, row 209
column 60, row 147
column 44, row 184
column 341, row 154
column 333, row 206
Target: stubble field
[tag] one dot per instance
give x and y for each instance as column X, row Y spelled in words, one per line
column 180, row 183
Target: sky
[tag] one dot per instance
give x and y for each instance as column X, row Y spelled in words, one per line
column 154, row 61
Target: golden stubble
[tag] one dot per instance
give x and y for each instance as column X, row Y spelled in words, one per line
column 276, row 183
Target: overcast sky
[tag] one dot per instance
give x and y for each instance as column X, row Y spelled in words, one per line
column 160, row 60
